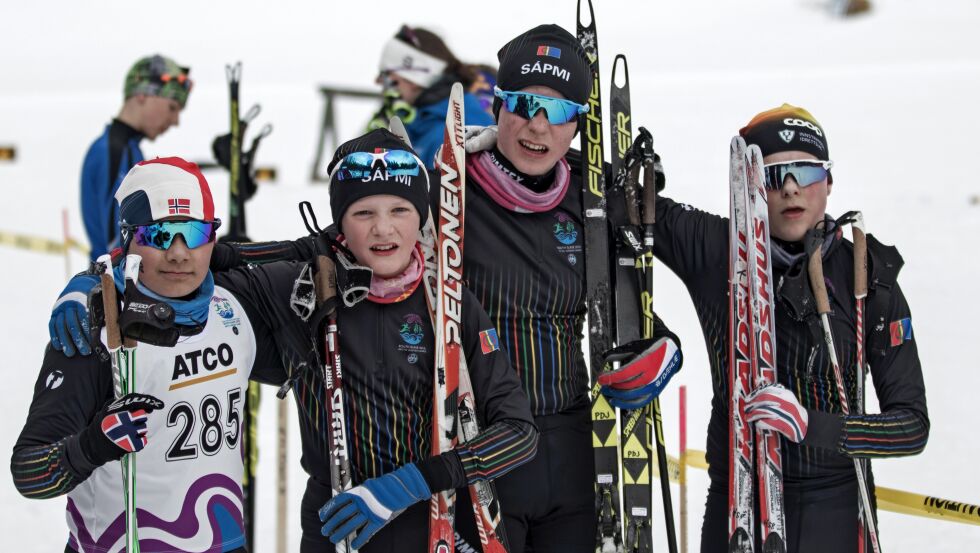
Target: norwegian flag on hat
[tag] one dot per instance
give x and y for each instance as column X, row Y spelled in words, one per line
column 180, row 206
column 164, row 187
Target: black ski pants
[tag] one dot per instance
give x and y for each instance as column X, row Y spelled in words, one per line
column 548, row 503
column 818, row 519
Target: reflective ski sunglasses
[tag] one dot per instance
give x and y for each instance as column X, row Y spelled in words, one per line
column 358, row 165
column 527, row 105
column 804, row 171
column 161, row 235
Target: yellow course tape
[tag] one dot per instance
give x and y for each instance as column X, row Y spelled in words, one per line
column 39, row 244
column 889, row 499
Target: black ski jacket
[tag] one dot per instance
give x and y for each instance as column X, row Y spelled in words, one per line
column 694, row 245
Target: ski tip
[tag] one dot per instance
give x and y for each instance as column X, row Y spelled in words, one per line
column 578, row 11
column 397, row 128
column 620, row 58
column 738, row 143
column 457, row 92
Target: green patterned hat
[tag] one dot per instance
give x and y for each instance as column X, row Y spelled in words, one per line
column 158, row 76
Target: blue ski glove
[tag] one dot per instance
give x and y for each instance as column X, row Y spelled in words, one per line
column 365, row 509
column 69, row 323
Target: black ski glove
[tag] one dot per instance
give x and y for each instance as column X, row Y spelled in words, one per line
column 119, row 428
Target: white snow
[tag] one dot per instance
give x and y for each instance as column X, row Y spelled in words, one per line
column 896, row 91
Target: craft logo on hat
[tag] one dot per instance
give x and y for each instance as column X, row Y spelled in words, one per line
column 786, row 128
column 549, row 51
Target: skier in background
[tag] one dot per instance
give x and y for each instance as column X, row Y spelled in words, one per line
column 416, row 72
column 154, row 93
column 819, row 443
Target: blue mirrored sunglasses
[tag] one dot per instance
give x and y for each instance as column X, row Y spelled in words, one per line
column 358, row 165
column 161, row 235
column 804, row 171
column 527, row 105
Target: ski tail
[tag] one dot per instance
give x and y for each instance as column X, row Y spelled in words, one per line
column 741, row 537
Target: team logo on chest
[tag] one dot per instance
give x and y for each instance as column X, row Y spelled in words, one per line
column 412, row 332
column 564, row 229
column 223, row 308
column 566, row 233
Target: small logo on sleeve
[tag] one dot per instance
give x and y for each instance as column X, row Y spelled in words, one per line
column 901, row 331
column 488, row 341
column 54, row 379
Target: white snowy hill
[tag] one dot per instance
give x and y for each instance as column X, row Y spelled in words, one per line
column 896, row 90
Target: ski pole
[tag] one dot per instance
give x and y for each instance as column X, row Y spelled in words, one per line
column 860, row 293
column 682, row 476
column 648, row 220
column 823, row 308
column 123, row 355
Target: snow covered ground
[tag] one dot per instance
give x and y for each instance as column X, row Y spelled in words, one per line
column 896, row 91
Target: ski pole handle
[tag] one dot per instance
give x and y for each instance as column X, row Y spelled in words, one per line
column 860, row 257
column 326, row 279
column 649, row 193
column 815, row 268
column 110, row 305
column 631, row 187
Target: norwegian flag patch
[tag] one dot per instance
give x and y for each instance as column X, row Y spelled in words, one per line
column 179, row 206
column 901, row 331
column 126, row 429
column 488, row 341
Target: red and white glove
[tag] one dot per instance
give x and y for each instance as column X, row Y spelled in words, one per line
column 773, row 407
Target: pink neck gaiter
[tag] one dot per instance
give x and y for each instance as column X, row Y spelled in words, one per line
column 507, row 193
column 399, row 287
